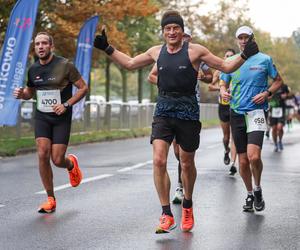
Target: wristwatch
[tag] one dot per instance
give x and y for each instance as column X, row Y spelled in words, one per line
column 269, row 92
column 66, row 105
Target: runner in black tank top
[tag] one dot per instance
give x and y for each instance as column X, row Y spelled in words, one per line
column 177, row 116
column 177, row 112
column 205, row 75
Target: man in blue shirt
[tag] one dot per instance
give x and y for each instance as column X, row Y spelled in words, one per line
column 248, row 103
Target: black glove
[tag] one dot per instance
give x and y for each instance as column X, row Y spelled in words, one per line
column 100, row 41
column 250, row 49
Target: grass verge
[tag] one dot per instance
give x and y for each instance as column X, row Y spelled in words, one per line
column 13, row 146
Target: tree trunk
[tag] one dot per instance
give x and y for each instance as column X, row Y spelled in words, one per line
column 124, row 85
column 107, row 77
column 140, row 85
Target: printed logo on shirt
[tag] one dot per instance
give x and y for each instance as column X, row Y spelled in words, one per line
column 51, row 79
column 38, row 79
column 182, row 67
column 257, row 68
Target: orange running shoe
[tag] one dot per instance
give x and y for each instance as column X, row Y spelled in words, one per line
column 48, row 206
column 187, row 219
column 166, row 224
column 75, row 174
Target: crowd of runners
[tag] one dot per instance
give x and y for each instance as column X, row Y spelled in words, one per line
column 249, row 105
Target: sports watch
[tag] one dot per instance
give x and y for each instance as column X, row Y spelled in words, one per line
column 66, row 105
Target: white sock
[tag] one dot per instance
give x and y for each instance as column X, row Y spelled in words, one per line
column 257, row 188
column 250, row 192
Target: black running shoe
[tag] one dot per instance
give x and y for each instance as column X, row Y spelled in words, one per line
column 226, row 157
column 232, row 170
column 248, row 207
column 259, row 203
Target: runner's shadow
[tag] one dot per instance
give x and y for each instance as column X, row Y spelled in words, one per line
column 166, row 244
column 53, row 219
column 252, row 231
column 182, row 241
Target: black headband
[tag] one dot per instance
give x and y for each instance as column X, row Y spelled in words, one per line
column 172, row 19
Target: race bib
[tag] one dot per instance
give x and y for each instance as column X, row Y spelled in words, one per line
column 277, row 112
column 256, row 120
column 46, row 99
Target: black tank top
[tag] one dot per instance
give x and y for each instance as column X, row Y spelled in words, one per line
column 175, row 71
column 177, row 80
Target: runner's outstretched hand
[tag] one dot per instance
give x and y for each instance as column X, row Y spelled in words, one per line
column 100, row 41
column 250, row 49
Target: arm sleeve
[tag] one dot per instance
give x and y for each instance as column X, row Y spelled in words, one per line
column 272, row 71
column 74, row 74
column 29, row 80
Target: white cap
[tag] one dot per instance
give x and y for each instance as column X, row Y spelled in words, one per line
column 187, row 32
column 243, row 30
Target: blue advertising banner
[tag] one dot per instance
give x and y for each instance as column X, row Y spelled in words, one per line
column 83, row 58
column 14, row 57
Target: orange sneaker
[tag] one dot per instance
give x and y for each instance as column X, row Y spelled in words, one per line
column 48, row 206
column 166, row 224
column 75, row 174
column 187, row 219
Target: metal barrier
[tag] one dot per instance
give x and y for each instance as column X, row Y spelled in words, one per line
column 111, row 115
column 208, row 111
column 100, row 116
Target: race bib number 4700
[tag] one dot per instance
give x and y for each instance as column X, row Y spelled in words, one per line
column 256, row 120
column 46, row 99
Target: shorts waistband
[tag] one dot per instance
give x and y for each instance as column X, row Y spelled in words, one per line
column 175, row 94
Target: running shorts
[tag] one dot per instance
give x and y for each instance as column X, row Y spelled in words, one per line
column 239, row 133
column 186, row 132
column 56, row 128
column 224, row 113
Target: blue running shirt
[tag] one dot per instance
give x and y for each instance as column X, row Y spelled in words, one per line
column 248, row 81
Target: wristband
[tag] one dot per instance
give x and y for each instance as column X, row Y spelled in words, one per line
column 109, row 50
column 244, row 56
column 269, row 92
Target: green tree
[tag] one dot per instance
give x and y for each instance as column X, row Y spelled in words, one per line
column 142, row 33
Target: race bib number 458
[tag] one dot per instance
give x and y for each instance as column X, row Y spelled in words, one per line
column 256, row 120
column 46, row 99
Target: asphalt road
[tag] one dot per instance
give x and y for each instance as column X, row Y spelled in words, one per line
column 117, row 206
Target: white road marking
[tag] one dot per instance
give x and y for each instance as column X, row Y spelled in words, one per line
column 135, row 166
column 98, row 177
column 1, row 205
column 213, row 146
column 65, row 186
